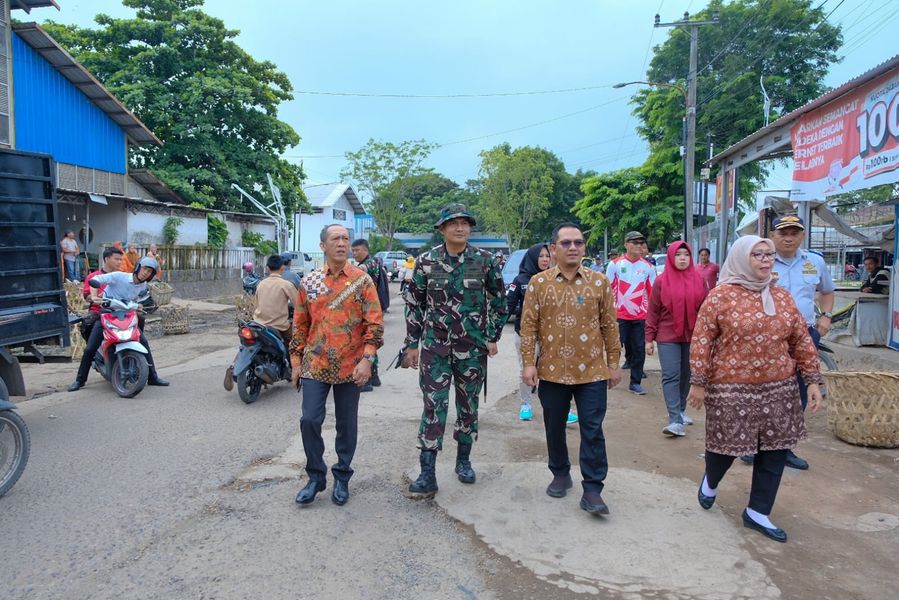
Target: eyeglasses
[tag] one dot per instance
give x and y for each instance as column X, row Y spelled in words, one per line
column 763, row 256
column 570, row 243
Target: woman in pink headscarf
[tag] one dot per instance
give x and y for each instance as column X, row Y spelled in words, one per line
column 748, row 342
column 673, row 305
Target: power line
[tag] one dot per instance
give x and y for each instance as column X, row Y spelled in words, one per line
column 530, row 125
column 725, row 85
column 652, row 33
column 446, row 96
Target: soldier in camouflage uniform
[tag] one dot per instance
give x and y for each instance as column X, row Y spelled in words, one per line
column 456, row 309
column 370, row 265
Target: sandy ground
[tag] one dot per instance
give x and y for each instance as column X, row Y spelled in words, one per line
column 221, row 522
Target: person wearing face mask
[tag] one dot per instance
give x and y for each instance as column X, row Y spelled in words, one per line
column 749, row 341
column 536, row 259
column 673, row 306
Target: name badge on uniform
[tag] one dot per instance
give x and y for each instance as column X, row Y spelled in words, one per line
column 809, row 268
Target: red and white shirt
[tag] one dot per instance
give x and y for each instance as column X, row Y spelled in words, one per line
column 631, row 283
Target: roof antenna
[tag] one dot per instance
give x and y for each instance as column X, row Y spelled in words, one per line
column 766, row 107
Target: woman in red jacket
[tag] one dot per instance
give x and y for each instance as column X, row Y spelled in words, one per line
column 673, row 305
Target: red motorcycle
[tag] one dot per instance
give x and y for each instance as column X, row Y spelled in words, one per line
column 121, row 358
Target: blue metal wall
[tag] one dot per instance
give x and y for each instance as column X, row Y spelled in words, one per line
column 53, row 116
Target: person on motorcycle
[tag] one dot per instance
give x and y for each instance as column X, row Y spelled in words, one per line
column 112, row 260
column 274, row 297
column 250, row 278
column 129, row 288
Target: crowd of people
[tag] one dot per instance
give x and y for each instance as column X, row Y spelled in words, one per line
column 738, row 340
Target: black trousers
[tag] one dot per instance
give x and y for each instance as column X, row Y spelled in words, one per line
column 94, row 341
column 803, row 389
column 346, row 410
column 633, row 338
column 767, row 470
column 590, row 398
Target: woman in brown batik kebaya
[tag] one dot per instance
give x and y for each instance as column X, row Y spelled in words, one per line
column 748, row 343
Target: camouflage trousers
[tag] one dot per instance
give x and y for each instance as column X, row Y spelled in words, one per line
column 436, row 373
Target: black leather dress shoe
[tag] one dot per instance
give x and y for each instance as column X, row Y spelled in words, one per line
column 157, row 381
column 705, row 501
column 593, row 503
column 341, row 492
column 794, row 462
column 307, row 494
column 775, row 533
column 76, row 385
column 558, row 487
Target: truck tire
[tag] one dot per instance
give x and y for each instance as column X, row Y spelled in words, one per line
column 15, row 446
column 129, row 373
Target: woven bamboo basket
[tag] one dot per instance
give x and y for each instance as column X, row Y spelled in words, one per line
column 77, row 342
column 161, row 292
column 863, row 407
column 175, row 320
column 246, row 306
column 75, row 297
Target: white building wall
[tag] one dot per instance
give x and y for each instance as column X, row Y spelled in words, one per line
column 193, row 230
column 311, row 226
column 146, row 228
column 235, row 233
column 108, row 223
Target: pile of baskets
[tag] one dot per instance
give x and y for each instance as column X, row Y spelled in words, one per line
column 863, row 407
column 77, row 305
column 246, row 306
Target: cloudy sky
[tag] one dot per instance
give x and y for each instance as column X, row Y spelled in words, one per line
column 485, row 48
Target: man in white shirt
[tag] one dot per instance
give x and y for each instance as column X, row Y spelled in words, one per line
column 632, row 277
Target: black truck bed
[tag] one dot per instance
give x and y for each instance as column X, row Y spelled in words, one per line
column 32, row 300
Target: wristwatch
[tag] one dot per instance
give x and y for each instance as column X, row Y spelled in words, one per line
column 827, row 314
column 369, row 357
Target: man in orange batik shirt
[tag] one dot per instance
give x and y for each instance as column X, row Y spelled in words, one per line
column 337, row 328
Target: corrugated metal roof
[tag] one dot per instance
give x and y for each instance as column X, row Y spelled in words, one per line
column 321, row 196
column 821, row 100
column 155, row 186
column 27, row 5
column 81, row 78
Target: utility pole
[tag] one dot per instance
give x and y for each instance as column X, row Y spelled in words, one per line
column 690, row 142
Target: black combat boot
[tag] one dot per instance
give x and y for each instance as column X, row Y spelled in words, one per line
column 427, row 481
column 463, row 464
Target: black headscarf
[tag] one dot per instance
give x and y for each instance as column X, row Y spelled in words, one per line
column 529, row 266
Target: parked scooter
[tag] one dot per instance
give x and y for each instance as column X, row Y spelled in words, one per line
column 15, row 442
column 122, row 358
column 262, row 360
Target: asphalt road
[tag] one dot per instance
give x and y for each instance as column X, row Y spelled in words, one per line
column 185, row 492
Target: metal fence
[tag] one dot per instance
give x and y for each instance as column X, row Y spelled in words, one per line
column 201, row 258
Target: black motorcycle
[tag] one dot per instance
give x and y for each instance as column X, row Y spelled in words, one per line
column 262, row 360
column 15, row 442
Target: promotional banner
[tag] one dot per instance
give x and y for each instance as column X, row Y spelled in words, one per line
column 849, row 144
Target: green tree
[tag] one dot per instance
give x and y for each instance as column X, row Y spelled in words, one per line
column 213, row 105
column 424, row 197
column 626, row 200
column 515, row 191
column 384, row 171
column 787, row 42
